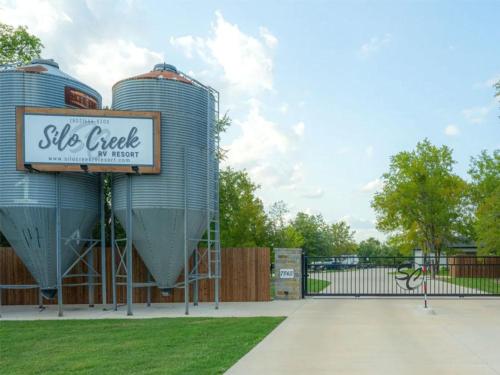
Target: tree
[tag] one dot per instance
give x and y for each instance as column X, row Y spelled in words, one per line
column 282, row 234
column 497, row 86
column 321, row 238
column 487, row 225
column 485, row 194
column 17, row 45
column 422, row 202
column 342, row 239
column 221, row 127
column 373, row 248
column 243, row 221
column 314, row 231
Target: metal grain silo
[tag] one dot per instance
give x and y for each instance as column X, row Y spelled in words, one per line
column 187, row 182
column 28, row 200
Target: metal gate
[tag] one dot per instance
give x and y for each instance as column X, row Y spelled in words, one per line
column 401, row 276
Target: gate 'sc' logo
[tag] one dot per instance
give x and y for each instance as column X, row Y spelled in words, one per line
column 407, row 277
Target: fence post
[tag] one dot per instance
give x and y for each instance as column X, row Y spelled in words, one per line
column 304, row 274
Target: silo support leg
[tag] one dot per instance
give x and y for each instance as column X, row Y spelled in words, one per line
column 186, row 259
column 149, row 291
column 196, row 282
column 103, row 242
column 58, row 248
column 129, row 247
column 40, row 299
column 113, row 260
column 90, row 277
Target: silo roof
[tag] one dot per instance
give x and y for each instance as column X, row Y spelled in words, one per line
column 168, row 72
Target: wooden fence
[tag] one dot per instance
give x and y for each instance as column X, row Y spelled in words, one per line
column 245, row 277
column 472, row 266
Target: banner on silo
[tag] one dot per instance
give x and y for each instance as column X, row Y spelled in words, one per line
column 63, row 140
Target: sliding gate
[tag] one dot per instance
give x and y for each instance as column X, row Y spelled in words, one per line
column 401, row 276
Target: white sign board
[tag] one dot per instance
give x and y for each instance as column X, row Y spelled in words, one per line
column 79, row 139
column 287, row 273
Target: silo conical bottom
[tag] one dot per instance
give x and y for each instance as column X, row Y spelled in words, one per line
column 31, row 231
column 49, row 293
column 158, row 236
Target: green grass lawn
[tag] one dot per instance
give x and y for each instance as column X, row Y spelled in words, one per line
column 132, row 346
column 487, row 285
column 316, row 285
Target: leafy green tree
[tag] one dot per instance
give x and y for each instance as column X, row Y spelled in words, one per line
column 373, row 248
column 321, row 238
column 422, row 202
column 485, row 174
column 243, row 221
column 497, row 86
column 342, row 239
column 314, row 231
column 487, row 225
column 17, row 45
column 221, row 127
column 485, row 193
column 282, row 234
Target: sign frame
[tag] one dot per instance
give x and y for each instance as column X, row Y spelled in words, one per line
column 64, row 167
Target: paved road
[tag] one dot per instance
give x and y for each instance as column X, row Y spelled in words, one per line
column 380, row 281
column 381, row 336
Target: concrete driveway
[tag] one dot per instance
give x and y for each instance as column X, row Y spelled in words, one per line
column 382, row 336
column 381, row 281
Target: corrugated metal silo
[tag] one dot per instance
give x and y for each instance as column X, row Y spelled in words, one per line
column 158, row 201
column 28, row 200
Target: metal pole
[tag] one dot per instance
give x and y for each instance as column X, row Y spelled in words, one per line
column 217, row 278
column 149, row 291
column 424, row 269
column 90, row 277
column 58, row 247
column 129, row 246
column 186, row 259
column 196, row 282
column 40, row 298
column 103, row 243
column 113, row 260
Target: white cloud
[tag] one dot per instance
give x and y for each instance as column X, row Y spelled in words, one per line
column 101, row 54
column 476, row 115
column 270, row 40
column 260, row 138
column 185, row 43
column 373, row 185
column 343, row 150
column 489, row 83
column 245, row 61
column 41, row 16
column 374, row 45
column 113, row 60
column 298, row 129
column 369, row 151
column 277, row 174
column 313, row 193
column 283, row 108
column 364, row 228
column 451, row 130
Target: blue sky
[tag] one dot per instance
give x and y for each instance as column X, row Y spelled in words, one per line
column 321, row 93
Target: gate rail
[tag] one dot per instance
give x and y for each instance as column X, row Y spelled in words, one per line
column 401, row 276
